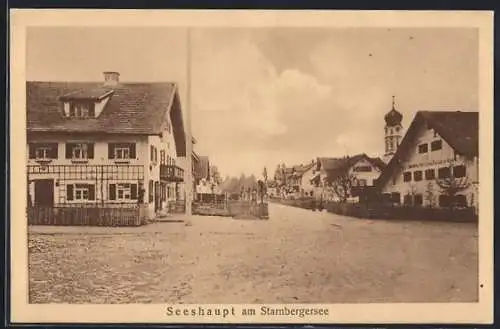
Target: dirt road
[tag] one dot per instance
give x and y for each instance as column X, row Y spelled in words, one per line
column 298, row 256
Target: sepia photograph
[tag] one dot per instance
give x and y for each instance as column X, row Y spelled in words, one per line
column 206, row 168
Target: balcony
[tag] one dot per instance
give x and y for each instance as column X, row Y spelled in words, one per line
column 171, row 173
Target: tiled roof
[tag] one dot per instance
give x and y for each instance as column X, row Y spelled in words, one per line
column 133, row 108
column 459, row 129
column 96, row 94
column 298, row 170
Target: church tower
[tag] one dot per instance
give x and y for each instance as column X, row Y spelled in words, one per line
column 393, row 131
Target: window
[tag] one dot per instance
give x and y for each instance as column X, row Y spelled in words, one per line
column 418, row 199
column 151, row 195
column 407, row 200
column 42, row 151
column 417, row 176
column 162, row 157
column 436, row 145
column 79, row 151
column 444, row 172
column 82, row 109
column 444, row 200
column 430, row 174
column 461, row 200
column 459, row 171
column 121, row 151
column 407, row 176
column 396, row 197
column 423, row 148
column 361, row 182
column 151, row 153
column 122, row 192
column 80, row 192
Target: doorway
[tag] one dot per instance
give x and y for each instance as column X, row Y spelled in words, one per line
column 157, row 196
column 44, row 192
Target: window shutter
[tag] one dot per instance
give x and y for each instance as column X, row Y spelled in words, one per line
column 90, row 150
column 69, row 150
column 132, row 151
column 112, row 191
column 69, row 192
column 53, row 151
column 32, row 151
column 111, row 151
column 151, row 155
column 133, row 191
column 91, row 191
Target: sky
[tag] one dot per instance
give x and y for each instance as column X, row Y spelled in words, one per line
column 262, row 96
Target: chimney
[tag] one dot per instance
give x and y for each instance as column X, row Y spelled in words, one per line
column 111, row 78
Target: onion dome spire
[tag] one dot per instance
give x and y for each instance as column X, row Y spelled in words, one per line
column 393, row 117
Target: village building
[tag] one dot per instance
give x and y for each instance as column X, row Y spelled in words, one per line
column 106, row 143
column 360, row 171
column 293, row 181
column 436, row 164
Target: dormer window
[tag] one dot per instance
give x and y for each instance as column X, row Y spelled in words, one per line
column 85, row 103
column 81, row 109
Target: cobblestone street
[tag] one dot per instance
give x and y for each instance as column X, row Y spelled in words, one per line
column 297, row 256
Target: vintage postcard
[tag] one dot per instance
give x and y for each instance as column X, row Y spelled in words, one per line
column 251, row 166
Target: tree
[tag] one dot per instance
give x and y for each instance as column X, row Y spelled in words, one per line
column 342, row 185
column 429, row 194
column 411, row 195
column 451, row 185
column 262, row 190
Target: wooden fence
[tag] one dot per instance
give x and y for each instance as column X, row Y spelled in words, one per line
column 232, row 208
column 84, row 215
column 177, row 207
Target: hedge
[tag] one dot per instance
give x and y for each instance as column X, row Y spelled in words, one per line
column 381, row 211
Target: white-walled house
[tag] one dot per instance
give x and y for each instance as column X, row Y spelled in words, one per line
column 361, row 169
column 104, row 143
column 440, row 145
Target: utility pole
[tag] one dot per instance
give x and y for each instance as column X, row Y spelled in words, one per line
column 189, row 136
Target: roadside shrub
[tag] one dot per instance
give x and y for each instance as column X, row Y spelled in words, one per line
column 380, row 211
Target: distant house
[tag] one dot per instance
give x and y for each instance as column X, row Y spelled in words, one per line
column 362, row 170
column 294, row 178
column 104, row 143
column 439, row 148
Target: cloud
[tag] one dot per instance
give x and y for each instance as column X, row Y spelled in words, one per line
column 244, row 106
column 256, row 103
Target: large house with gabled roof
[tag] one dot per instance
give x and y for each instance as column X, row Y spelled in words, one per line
column 104, row 143
column 439, row 147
